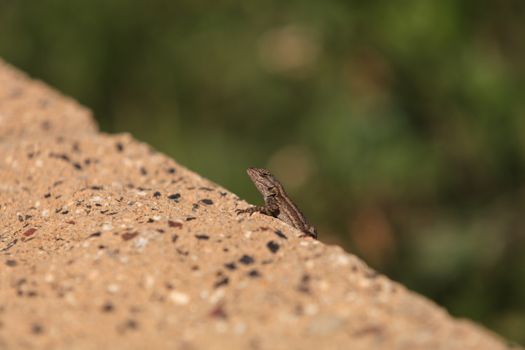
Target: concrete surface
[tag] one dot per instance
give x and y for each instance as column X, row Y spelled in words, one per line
column 106, row 243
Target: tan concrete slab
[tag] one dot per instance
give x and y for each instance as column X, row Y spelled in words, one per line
column 29, row 108
column 108, row 244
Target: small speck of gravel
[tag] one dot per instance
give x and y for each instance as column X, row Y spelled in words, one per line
column 131, row 324
column 108, row 307
column 222, row 282
column 172, row 223
column 304, row 285
column 202, row 237
column 246, row 260
column 218, row 312
column 174, row 197
column 29, row 232
column 280, row 234
column 273, row 246
column 95, row 234
column 36, row 328
column 207, row 201
column 230, row 266
column 129, row 235
column 11, row 263
column 254, row 274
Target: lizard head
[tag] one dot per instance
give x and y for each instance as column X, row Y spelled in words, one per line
column 265, row 182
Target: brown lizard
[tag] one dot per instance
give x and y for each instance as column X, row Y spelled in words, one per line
column 276, row 202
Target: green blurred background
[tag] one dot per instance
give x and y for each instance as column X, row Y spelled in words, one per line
column 398, row 126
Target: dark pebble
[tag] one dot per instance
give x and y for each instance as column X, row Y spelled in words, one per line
column 174, row 224
column 304, row 285
column 222, row 282
column 174, row 197
column 29, row 232
column 131, row 324
column 202, row 237
column 46, row 125
column 108, row 307
column 62, row 156
column 156, row 194
column 9, row 245
column 280, row 234
column 11, row 263
column 129, row 235
column 207, row 201
column 246, row 260
column 171, row 170
column 182, row 252
column 76, row 147
column 218, row 312
column 254, row 274
column 36, row 328
column 230, row 266
column 273, row 246
column 119, row 146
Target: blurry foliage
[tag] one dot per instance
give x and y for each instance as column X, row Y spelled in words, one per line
column 398, row 126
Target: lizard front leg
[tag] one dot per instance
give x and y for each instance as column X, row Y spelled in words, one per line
column 271, row 209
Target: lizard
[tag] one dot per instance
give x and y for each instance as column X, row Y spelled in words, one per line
column 276, row 202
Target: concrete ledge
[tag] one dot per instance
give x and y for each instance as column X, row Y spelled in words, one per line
column 108, row 244
column 29, row 108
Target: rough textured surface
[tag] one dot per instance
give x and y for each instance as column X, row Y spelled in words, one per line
column 106, row 243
